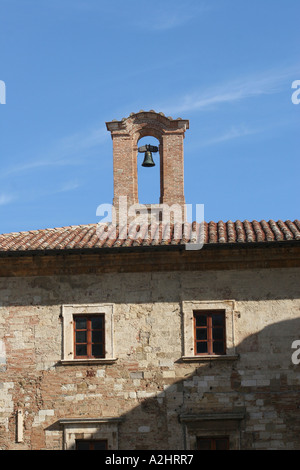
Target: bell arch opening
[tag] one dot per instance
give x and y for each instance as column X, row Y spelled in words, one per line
column 148, row 177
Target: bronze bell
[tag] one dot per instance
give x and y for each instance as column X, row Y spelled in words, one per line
column 148, row 149
column 148, row 160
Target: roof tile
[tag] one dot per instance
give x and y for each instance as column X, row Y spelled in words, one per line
column 99, row 236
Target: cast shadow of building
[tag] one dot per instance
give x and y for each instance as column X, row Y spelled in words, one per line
column 253, row 400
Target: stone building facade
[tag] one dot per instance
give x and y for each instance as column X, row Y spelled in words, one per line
column 195, row 349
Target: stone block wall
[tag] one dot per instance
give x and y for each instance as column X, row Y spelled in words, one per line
column 150, row 397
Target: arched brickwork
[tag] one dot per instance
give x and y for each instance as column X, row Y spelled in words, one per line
column 170, row 134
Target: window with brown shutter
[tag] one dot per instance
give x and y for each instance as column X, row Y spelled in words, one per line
column 84, row 444
column 212, row 443
column 209, row 332
column 89, row 341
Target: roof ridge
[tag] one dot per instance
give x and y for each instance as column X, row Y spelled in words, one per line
column 84, row 236
column 48, row 229
column 75, row 226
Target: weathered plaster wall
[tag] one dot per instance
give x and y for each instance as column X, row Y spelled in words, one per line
column 149, row 386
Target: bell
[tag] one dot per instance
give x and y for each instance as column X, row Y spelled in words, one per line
column 148, row 160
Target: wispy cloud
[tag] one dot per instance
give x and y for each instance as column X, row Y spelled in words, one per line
column 69, row 186
column 6, row 199
column 156, row 15
column 167, row 17
column 230, row 134
column 34, row 194
column 81, row 141
column 67, row 151
column 239, row 89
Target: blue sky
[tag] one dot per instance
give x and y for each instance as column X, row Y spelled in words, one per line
column 71, row 65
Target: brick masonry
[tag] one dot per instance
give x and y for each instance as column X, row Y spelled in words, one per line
column 149, row 386
column 125, row 136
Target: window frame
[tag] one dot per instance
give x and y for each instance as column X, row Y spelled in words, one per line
column 89, row 331
column 69, row 312
column 91, row 443
column 209, row 327
column 214, row 424
column 90, row 429
column 213, row 442
column 188, row 345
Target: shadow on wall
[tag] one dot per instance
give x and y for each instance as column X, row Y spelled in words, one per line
column 264, row 284
column 253, row 400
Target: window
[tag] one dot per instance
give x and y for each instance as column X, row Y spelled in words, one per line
column 90, row 433
column 89, row 336
column 213, row 430
column 212, row 443
column 209, row 332
column 82, row 444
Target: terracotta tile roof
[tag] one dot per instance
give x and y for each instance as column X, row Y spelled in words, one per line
column 81, row 237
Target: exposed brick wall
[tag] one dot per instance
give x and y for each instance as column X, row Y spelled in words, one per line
column 149, row 386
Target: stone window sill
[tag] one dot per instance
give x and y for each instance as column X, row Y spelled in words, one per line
column 205, row 358
column 74, row 362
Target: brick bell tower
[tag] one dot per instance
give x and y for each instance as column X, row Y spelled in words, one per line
column 126, row 135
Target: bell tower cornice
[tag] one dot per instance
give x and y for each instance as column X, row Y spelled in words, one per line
column 146, row 119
